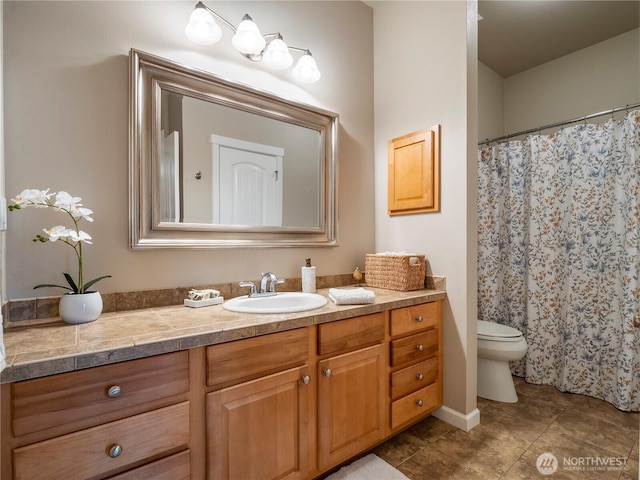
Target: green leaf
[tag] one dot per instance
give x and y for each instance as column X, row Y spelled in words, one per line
column 95, row 280
column 44, row 285
column 70, row 281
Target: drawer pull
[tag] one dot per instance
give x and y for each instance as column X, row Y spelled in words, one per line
column 419, row 319
column 420, row 377
column 420, row 347
column 114, row 391
column 419, row 403
column 327, row 372
column 115, row 451
column 306, row 379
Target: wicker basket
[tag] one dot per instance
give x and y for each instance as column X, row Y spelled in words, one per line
column 395, row 272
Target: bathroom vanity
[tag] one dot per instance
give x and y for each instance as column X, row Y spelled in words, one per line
column 234, row 396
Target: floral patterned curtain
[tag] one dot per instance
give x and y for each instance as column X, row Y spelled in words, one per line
column 559, row 255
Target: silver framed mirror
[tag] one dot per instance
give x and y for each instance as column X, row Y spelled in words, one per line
column 217, row 164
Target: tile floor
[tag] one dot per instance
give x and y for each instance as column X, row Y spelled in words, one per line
column 510, row 437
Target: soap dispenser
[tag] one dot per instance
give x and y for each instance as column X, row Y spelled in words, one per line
column 308, row 277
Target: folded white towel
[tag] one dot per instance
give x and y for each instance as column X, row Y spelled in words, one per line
column 351, row 296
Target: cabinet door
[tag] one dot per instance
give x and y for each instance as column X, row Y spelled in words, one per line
column 260, row 429
column 351, row 398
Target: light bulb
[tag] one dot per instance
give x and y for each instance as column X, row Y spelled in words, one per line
column 202, row 28
column 306, row 70
column 248, row 39
column 277, row 54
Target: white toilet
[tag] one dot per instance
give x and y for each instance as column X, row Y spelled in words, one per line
column 497, row 346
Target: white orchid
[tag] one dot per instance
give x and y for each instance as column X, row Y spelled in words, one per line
column 74, row 237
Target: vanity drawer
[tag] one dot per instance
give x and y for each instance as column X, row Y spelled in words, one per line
column 414, row 377
column 414, row 348
column 242, row 360
column 415, row 405
column 174, row 467
column 140, row 438
column 351, row 334
column 88, row 397
column 418, row 317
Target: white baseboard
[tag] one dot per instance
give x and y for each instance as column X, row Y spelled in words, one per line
column 457, row 419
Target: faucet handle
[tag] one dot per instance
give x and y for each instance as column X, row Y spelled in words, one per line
column 250, row 285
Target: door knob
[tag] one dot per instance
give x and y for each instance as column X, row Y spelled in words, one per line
column 327, row 372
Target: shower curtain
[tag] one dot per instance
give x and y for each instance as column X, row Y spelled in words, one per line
column 559, row 255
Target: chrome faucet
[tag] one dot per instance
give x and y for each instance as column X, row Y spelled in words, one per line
column 269, row 279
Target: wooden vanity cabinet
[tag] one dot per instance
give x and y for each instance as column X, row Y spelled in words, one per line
column 287, row 405
column 351, row 388
column 415, row 363
column 100, row 422
column 259, row 424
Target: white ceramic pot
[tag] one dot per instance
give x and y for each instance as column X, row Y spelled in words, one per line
column 80, row 307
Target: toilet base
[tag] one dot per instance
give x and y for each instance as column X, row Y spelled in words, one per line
column 495, row 381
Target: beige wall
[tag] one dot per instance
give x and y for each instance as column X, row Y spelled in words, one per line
column 490, row 103
column 66, row 84
column 597, row 78
column 422, row 78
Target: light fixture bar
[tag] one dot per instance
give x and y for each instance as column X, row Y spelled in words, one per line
column 270, row 48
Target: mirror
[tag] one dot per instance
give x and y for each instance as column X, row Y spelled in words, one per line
column 217, row 164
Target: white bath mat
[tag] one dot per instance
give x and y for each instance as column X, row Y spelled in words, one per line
column 368, row 468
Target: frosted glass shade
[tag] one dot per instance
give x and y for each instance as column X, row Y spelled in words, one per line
column 248, row 38
column 306, row 70
column 202, row 28
column 277, row 55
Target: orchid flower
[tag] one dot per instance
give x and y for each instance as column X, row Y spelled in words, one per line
column 74, row 237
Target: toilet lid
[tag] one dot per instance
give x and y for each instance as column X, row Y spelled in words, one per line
column 496, row 331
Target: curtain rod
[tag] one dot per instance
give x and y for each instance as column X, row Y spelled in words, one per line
column 560, row 124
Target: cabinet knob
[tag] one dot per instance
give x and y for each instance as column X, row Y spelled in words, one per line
column 420, row 376
column 115, row 451
column 419, row 319
column 306, row 379
column 419, row 403
column 327, row 372
column 114, row 391
column 420, row 347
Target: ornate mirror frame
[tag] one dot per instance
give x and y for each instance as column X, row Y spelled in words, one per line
column 149, row 75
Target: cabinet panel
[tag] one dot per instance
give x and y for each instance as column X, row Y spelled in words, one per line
column 413, row 172
column 416, row 405
column 350, row 334
column 414, row 377
column 174, row 467
column 243, row 360
column 414, row 348
column 81, row 397
column 140, row 438
column 259, row 430
column 418, row 317
column 351, row 410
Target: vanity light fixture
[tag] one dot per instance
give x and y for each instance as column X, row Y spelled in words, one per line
column 247, row 39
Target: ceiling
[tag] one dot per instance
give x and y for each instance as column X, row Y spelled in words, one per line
column 516, row 35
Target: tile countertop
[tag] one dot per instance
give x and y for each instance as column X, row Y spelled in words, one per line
column 115, row 337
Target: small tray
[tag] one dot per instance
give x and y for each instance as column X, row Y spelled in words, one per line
column 203, row 303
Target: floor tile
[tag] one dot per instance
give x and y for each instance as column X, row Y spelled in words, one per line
column 590, row 439
column 431, row 464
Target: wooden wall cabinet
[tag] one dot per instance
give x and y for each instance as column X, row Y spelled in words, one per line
column 414, row 172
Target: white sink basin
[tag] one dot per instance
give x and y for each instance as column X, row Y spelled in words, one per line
column 284, row 302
